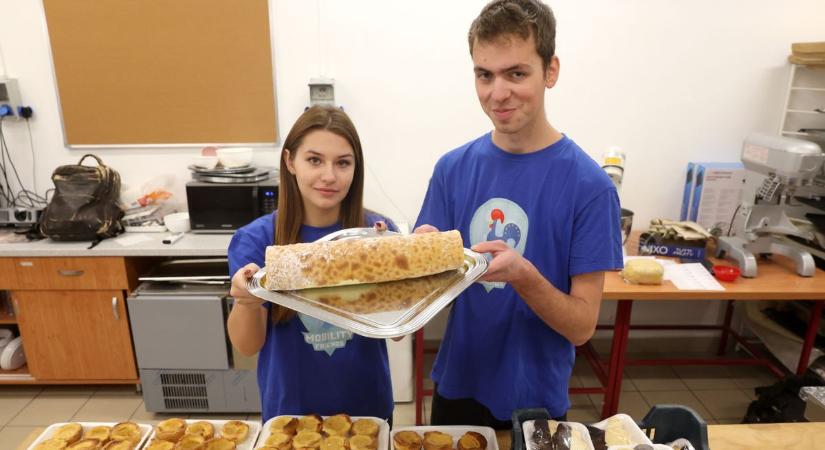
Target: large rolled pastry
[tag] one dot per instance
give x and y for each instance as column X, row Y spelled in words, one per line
column 357, row 261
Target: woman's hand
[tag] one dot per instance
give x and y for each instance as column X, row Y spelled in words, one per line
column 239, row 282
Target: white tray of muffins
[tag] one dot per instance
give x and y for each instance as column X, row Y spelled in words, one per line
column 176, row 433
column 313, row 432
column 446, row 437
column 92, row 436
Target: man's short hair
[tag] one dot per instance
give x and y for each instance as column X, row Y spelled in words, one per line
column 521, row 18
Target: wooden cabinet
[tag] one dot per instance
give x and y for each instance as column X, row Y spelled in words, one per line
column 76, row 335
column 804, row 114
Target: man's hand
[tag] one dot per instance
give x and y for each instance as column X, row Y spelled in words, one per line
column 425, row 229
column 239, row 282
column 507, row 264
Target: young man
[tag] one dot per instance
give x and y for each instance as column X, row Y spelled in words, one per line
column 547, row 213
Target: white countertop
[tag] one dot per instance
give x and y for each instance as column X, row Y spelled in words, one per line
column 127, row 244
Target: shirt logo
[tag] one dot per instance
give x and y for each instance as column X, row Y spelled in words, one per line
column 503, row 220
column 324, row 337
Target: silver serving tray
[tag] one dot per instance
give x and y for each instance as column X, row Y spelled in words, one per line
column 377, row 310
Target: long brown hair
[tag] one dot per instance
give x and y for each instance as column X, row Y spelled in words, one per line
column 290, row 214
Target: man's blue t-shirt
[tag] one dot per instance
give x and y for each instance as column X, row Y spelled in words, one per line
column 308, row 366
column 559, row 210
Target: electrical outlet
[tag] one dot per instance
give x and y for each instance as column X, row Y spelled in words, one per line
column 9, row 97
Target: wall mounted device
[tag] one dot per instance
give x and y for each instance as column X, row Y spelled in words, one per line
column 322, row 91
column 9, row 97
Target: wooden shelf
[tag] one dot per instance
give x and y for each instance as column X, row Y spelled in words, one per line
column 20, row 375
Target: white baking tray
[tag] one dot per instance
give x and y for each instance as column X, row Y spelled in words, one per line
column 404, row 315
column 383, row 430
column 456, row 431
column 145, row 431
column 529, row 426
column 247, row 444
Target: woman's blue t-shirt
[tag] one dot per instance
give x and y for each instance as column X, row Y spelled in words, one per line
column 308, row 366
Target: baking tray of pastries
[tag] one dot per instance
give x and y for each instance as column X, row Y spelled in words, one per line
column 458, row 437
column 92, row 436
column 176, row 433
column 379, row 310
column 338, row 432
column 618, row 432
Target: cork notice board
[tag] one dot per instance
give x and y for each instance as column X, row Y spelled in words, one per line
column 138, row 72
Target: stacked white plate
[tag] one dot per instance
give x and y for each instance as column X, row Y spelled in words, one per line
column 11, row 351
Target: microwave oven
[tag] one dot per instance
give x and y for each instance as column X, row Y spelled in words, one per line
column 225, row 207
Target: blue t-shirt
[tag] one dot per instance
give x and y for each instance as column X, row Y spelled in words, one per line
column 559, row 210
column 308, row 366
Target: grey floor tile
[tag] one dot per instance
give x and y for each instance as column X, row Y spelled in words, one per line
column 127, row 391
column 254, row 417
column 686, row 398
column 655, row 378
column 724, row 404
column 19, row 390
column 583, row 415
column 634, row 405
column 45, row 410
column 706, row 377
column 12, row 437
column 11, row 404
column 108, row 408
column 68, row 390
column 142, row 416
column 749, row 377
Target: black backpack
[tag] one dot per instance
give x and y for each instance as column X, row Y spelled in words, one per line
column 85, row 203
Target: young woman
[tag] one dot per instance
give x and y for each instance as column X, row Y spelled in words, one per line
column 305, row 365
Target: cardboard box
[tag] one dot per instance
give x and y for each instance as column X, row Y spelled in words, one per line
column 714, row 190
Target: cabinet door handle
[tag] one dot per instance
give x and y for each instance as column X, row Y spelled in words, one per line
column 70, row 273
column 114, row 308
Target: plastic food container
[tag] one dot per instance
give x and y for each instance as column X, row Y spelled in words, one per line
column 405, row 305
column 246, row 444
column 177, row 222
column 145, row 430
column 456, row 431
column 382, row 438
column 726, row 273
column 235, row 157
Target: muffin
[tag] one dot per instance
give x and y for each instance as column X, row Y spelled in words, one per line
column 436, row 440
column 281, row 441
column 284, row 424
column 311, row 422
column 335, row 443
column 363, row 442
column 235, row 431
column 407, row 440
column 337, row 425
column 472, row 441
column 85, row 444
column 70, row 433
column 51, row 444
column 170, row 429
column 126, row 431
column 100, row 433
column 190, row 442
column 202, row 428
column 367, row 427
column 306, row 440
column 220, row 443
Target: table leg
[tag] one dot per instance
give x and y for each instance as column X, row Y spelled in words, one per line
column 621, row 330
column 810, row 336
column 723, row 342
column 419, row 375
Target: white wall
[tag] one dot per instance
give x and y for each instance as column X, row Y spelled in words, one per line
column 668, row 81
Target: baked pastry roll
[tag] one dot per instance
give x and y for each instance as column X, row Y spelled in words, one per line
column 336, row 442
column 202, row 428
column 472, row 441
column 235, row 431
column 190, row 442
column 52, row 444
column 85, row 444
column 158, row 444
column 284, row 424
column 306, row 440
column 362, row 442
column 337, row 425
column 436, row 440
column 310, row 422
column 70, row 432
column 220, row 443
column 358, row 261
column 119, row 445
column 365, row 426
column 100, row 433
column 170, row 429
column 407, row 440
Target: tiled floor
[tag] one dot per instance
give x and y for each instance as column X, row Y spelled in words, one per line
column 718, row 394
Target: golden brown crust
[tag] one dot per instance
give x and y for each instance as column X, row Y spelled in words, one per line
column 119, row 445
column 70, row 432
column 407, row 440
column 306, row 439
column 170, row 429
column 363, row 442
column 220, row 443
column 367, row 427
column 335, row 443
column 159, row 444
column 126, row 431
column 357, row 261
column 310, row 422
column 282, row 441
column 85, row 444
column 284, row 424
column 235, row 430
column 51, row 444
column 436, row 440
column 337, row 425
column 472, row 441
column 100, row 433
column 202, row 428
